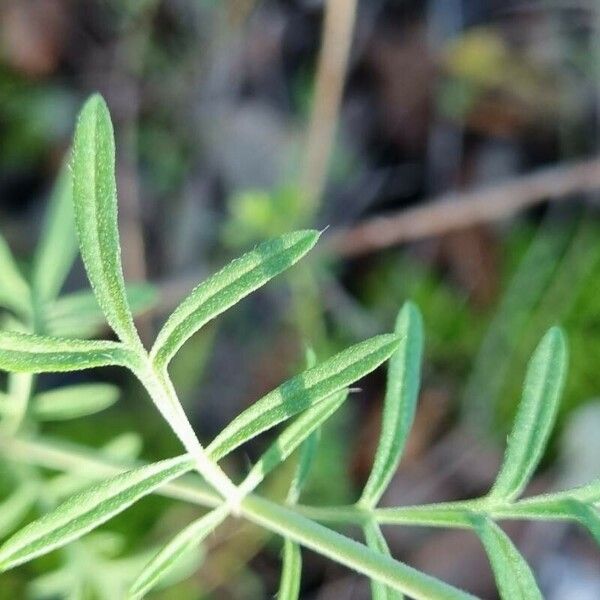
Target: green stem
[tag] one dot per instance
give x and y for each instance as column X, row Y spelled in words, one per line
column 273, row 517
column 291, row 525
column 165, row 398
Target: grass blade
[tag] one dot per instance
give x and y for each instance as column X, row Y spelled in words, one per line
column 291, row 572
column 535, row 418
column 186, row 540
column 291, row 438
column 95, row 204
column 78, row 314
column 74, row 401
column 376, row 542
column 28, row 353
column 87, row 510
column 14, row 290
column 513, row 576
column 227, row 287
column 404, row 373
column 303, row 391
column 57, row 248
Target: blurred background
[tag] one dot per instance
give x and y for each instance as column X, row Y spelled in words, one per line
column 450, row 148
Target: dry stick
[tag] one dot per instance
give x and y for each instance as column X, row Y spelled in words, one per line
column 436, row 217
column 454, row 211
column 340, row 16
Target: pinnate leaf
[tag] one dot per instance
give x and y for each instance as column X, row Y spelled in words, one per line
column 87, row 510
column 536, row 415
column 168, row 558
column 95, row 204
column 227, row 287
column 74, row 401
column 303, row 391
column 28, row 353
column 400, row 403
column 513, row 576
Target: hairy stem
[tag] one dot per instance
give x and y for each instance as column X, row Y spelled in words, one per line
column 275, row 518
column 163, row 394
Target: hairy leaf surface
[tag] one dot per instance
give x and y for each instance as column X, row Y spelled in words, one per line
column 95, row 203
column 303, row 391
column 292, row 437
column 87, row 510
column 536, row 415
column 227, row 287
column 513, row 576
column 28, row 353
column 588, row 516
column 400, row 403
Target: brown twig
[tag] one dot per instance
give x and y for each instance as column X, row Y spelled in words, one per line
column 454, row 211
column 340, row 16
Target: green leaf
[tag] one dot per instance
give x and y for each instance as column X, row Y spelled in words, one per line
column 28, row 353
column 95, row 203
column 513, row 576
column 536, row 415
column 292, row 437
column 288, row 523
column 587, row 515
column 227, row 287
column 303, row 391
column 87, row 510
column 179, row 546
column 291, row 571
column 308, row 453
column 124, row 447
column 402, row 391
column 376, row 542
column 57, row 247
column 14, row 508
column 78, row 314
column 74, row 401
column 14, row 290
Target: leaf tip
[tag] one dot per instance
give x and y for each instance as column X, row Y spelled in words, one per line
column 410, row 311
column 309, row 236
column 94, row 103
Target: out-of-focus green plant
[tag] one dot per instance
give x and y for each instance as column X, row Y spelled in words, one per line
column 258, row 214
column 311, row 397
